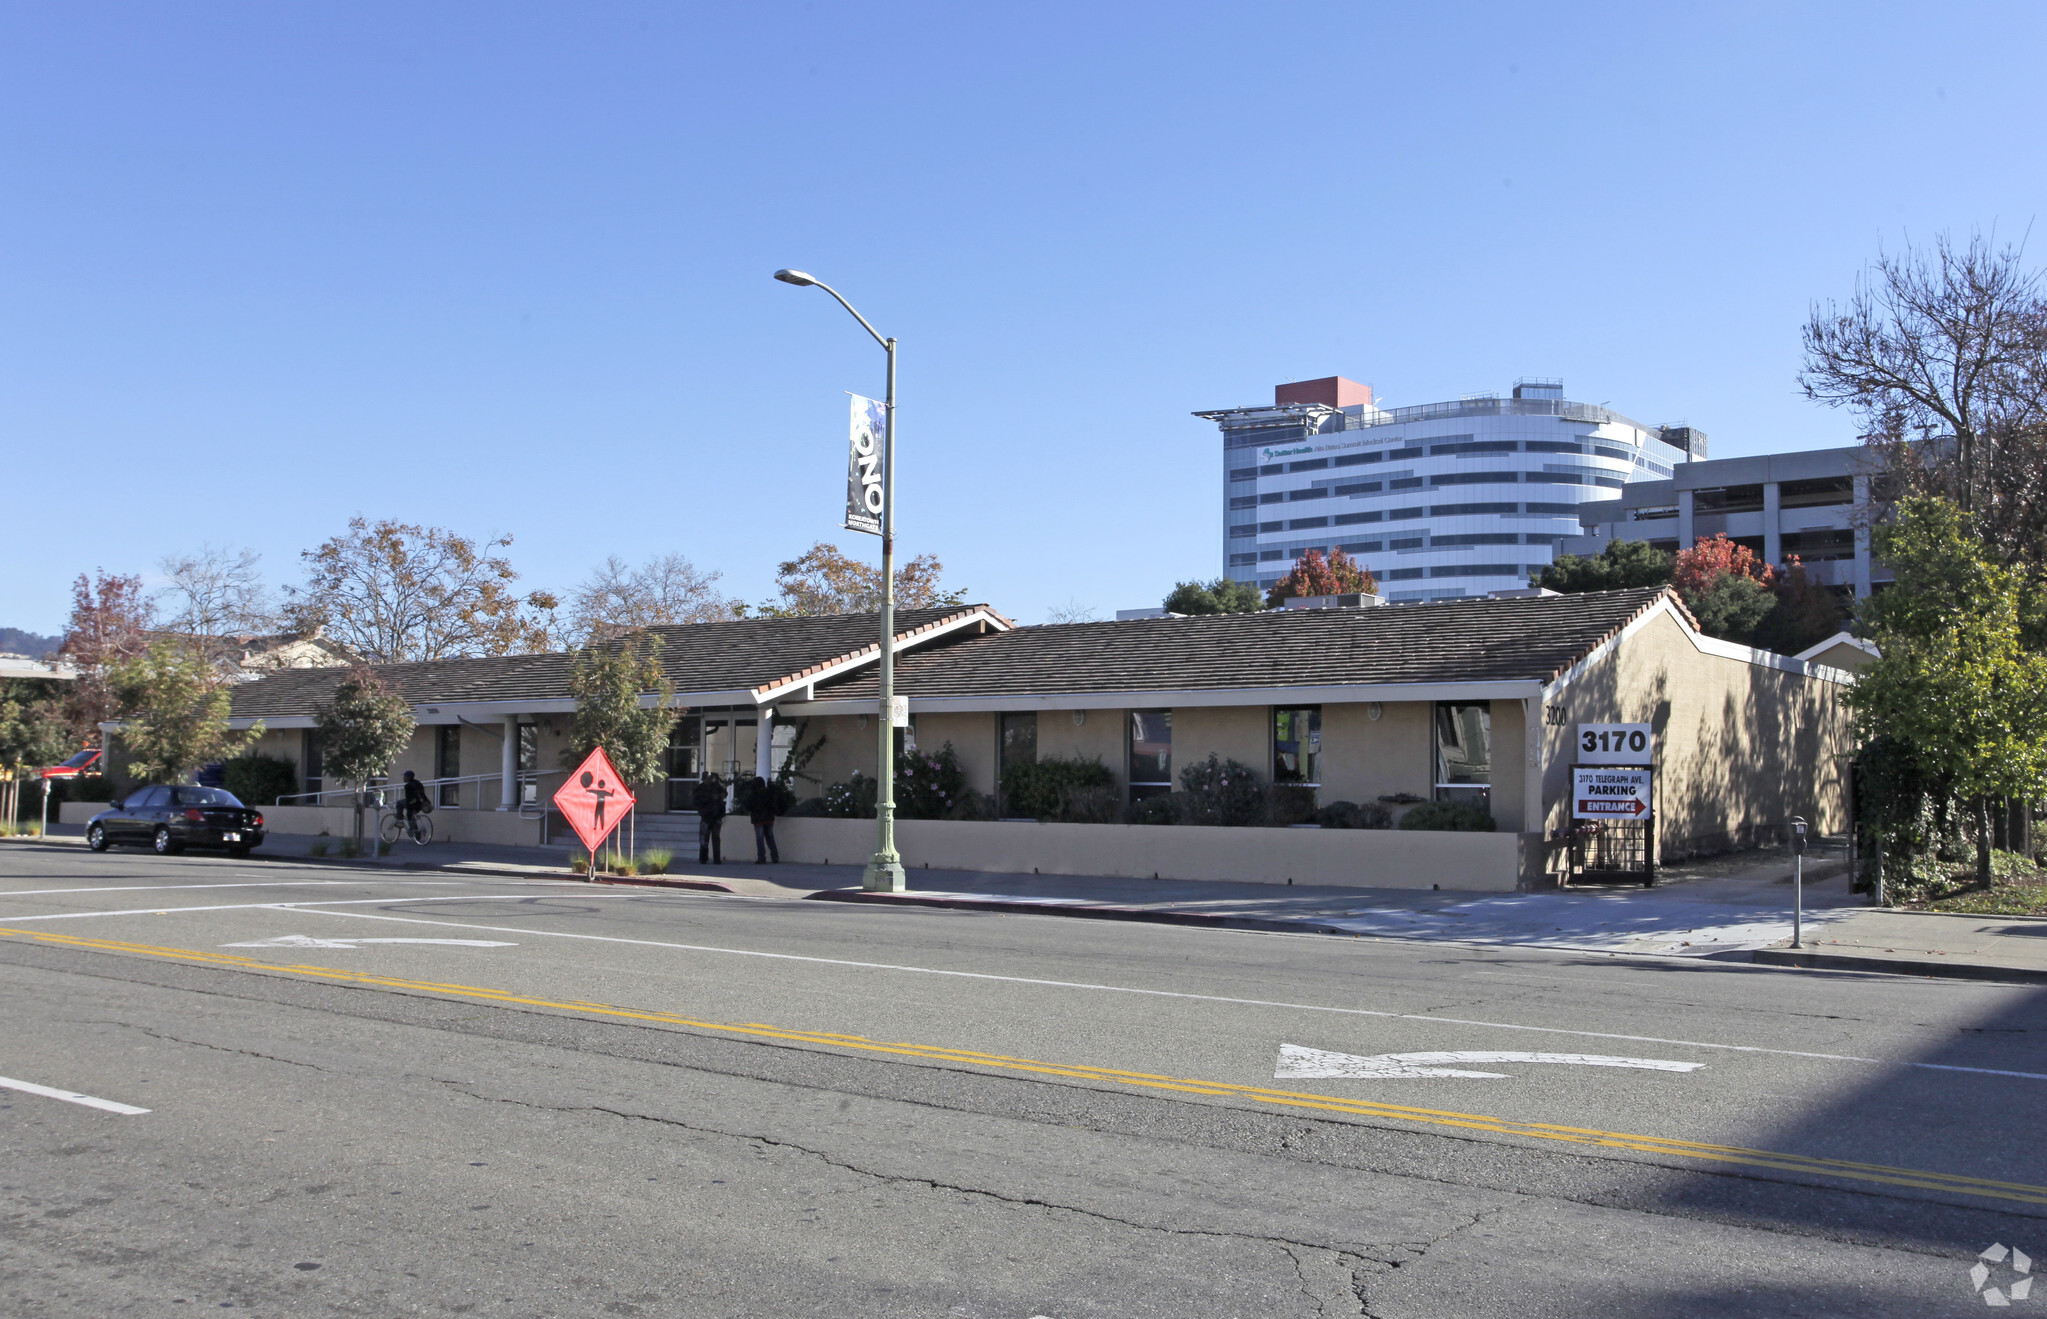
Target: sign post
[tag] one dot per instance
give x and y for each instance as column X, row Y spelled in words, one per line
column 594, row 801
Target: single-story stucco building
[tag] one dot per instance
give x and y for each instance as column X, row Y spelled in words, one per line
column 1470, row 699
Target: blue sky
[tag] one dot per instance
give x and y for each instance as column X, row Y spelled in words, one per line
column 505, row 267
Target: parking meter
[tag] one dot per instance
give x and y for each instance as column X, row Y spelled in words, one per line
column 1797, row 882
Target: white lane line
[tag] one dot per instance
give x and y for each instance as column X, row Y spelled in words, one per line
column 268, row 883
column 272, row 906
column 1298, row 1063
column 1172, row 993
column 69, row 1096
column 306, row 941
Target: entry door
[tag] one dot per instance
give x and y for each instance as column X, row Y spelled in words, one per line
column 685, row 761
column 729, row 745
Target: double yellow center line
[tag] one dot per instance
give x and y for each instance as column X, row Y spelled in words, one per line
column 1652, row 1145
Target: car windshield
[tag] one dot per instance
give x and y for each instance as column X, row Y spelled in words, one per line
column 205, row 797
column 79, row 760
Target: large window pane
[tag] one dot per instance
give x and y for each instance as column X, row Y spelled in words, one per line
column 1151, row 753
column 685, row 760
column 448, row 762
column 1464, row 751
column 1018, row 746
column 1297, row 745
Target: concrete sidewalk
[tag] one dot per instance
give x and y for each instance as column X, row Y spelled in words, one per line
column 1733, row 908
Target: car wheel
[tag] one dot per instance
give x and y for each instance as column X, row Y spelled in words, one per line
column 96, row 839
column 163, row 842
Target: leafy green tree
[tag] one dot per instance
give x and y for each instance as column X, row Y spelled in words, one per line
column 34, row 732
column 174, row 713
column 1731, row 606
column 1221, row 596
column 362, row 730
column 609, row 682
column 1806, row 613
column 1621, row 565
column 1955, row 680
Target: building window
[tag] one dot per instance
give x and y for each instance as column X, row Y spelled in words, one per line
column 1018, row 746
column 1316, row 492
column 448, row 762
column 1361, row 547
column 1308, row 465
column 1358, row 488
column 1151, row 753
column 1464, row 752
column 1402, row 575
column 1560, row 510
column 1268, row 556
column 1357, row 459
column 1552, row 446
column 1272, row 469
column 1818, row 493
column 1478, row 538
column 1477, row 570
column 1476, row 478
column 685, row 760
column 1729, row 499
column 1244, row 529
column 1239, row 560
column 1273, row 497
column 1402, row 514
column 1405, row 543
column 1353, row 519
column 529, row 763
column 1303, row 524
column 1469, row 510
column 1297, row 745
column 1264, row 527
column 1396, row 455
column 1243, row 501
column 1244, row 474
column 310, row 758
column 1404, row 483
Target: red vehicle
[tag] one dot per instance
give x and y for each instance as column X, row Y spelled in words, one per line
column 85, row 762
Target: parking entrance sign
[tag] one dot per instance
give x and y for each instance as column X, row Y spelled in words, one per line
column 1609, row 794
column 595, row 800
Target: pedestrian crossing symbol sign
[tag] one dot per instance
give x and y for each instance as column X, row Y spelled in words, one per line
column 595, row 799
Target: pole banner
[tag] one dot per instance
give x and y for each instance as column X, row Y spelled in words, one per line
column 864, row 474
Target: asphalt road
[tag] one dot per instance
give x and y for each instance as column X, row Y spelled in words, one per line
column 378, row 1094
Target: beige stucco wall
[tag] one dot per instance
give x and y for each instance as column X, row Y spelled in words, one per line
column 1098, row 736
column 1233, row 732
column 973, row 740
column 1741, row 747
column 1364, row 759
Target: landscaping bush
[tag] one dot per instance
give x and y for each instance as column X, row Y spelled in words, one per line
column 656, row 860
column 86, row 787
column 259, row 780
column 1292, row 804
column 781, row 797
column 1162, row 809
column 1040, row 789
column 1351, row 815
column 928, row 786
column 1096, row 804
column 852, row 800
column 808, row 806
column 1224, row 792
column 972, row 805
column 1451, row 816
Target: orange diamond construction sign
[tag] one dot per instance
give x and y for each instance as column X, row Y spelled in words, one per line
column 594, row 800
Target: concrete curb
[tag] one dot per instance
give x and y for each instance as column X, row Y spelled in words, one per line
column 1818, row 961
column 707, row 885
column 1090, row 912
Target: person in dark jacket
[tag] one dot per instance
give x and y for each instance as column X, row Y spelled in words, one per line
column 709, row 799
column 760, row 808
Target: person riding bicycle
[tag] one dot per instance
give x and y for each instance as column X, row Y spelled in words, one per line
column 415, row 802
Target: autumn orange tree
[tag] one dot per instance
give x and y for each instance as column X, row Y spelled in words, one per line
column 1339, row 574
column 823, row 580
column 1725, row 585
column 110, row 622
column 397, row 592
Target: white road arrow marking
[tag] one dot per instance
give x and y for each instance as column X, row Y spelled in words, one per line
column 306, row 941
column 1297, row 1063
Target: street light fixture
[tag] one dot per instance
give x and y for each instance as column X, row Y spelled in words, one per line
column 884, row 871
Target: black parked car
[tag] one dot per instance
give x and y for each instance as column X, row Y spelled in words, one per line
column 170, row 819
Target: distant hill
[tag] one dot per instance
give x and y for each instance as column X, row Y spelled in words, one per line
column 32, row 644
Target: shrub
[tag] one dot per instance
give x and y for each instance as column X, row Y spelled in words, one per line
column 1350, row 815
column 1162, row 809
column 1039, row 789
column 351, row 847
column 259, row 780
column 1453, row 816
column 1292, row 804
column 781, row 797
column 580, row 864
column 656, row 860
column 86, row 787
column 852, row 800
column 928, row 786
column 809, row 806
column 1224, row 792
column 1095, row 804
column 319, row 847
column 972, row 805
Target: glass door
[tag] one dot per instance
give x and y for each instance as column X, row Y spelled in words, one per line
column 685, row 760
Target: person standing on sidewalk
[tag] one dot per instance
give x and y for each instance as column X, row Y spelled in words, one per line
column 709, row 799
column 760, row 808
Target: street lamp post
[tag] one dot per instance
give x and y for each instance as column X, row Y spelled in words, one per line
column 884, row 871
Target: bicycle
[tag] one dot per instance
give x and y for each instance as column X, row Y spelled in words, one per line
column 392, row 827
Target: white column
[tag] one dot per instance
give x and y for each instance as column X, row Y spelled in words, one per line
column 1773, row 534
column 764, row 746
column 508, row 765
column 1685, row 538
column 1861, row 537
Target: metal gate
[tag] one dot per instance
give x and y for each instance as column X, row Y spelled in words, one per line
column 1614, row 851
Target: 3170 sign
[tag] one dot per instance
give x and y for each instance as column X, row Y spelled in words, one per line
column 1616, row 744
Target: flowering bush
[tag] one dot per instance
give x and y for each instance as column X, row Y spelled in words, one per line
column 1045, row 789
column 928, row 787
column 851, row 800
column 1221, row 792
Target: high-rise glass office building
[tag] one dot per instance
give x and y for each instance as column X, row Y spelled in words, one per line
column 1439, row 501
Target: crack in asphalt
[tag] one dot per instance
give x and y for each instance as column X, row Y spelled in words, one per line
column 166, row 1036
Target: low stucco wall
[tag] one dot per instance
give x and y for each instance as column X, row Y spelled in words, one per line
column 1362, row 858
column 502, row 828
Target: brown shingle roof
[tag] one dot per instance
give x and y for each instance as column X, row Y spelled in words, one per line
column 737, row 654
column 1453, row 641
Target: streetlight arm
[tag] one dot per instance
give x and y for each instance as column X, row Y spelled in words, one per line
column 856, row 315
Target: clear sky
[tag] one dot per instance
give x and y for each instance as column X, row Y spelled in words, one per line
column 505, row 267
